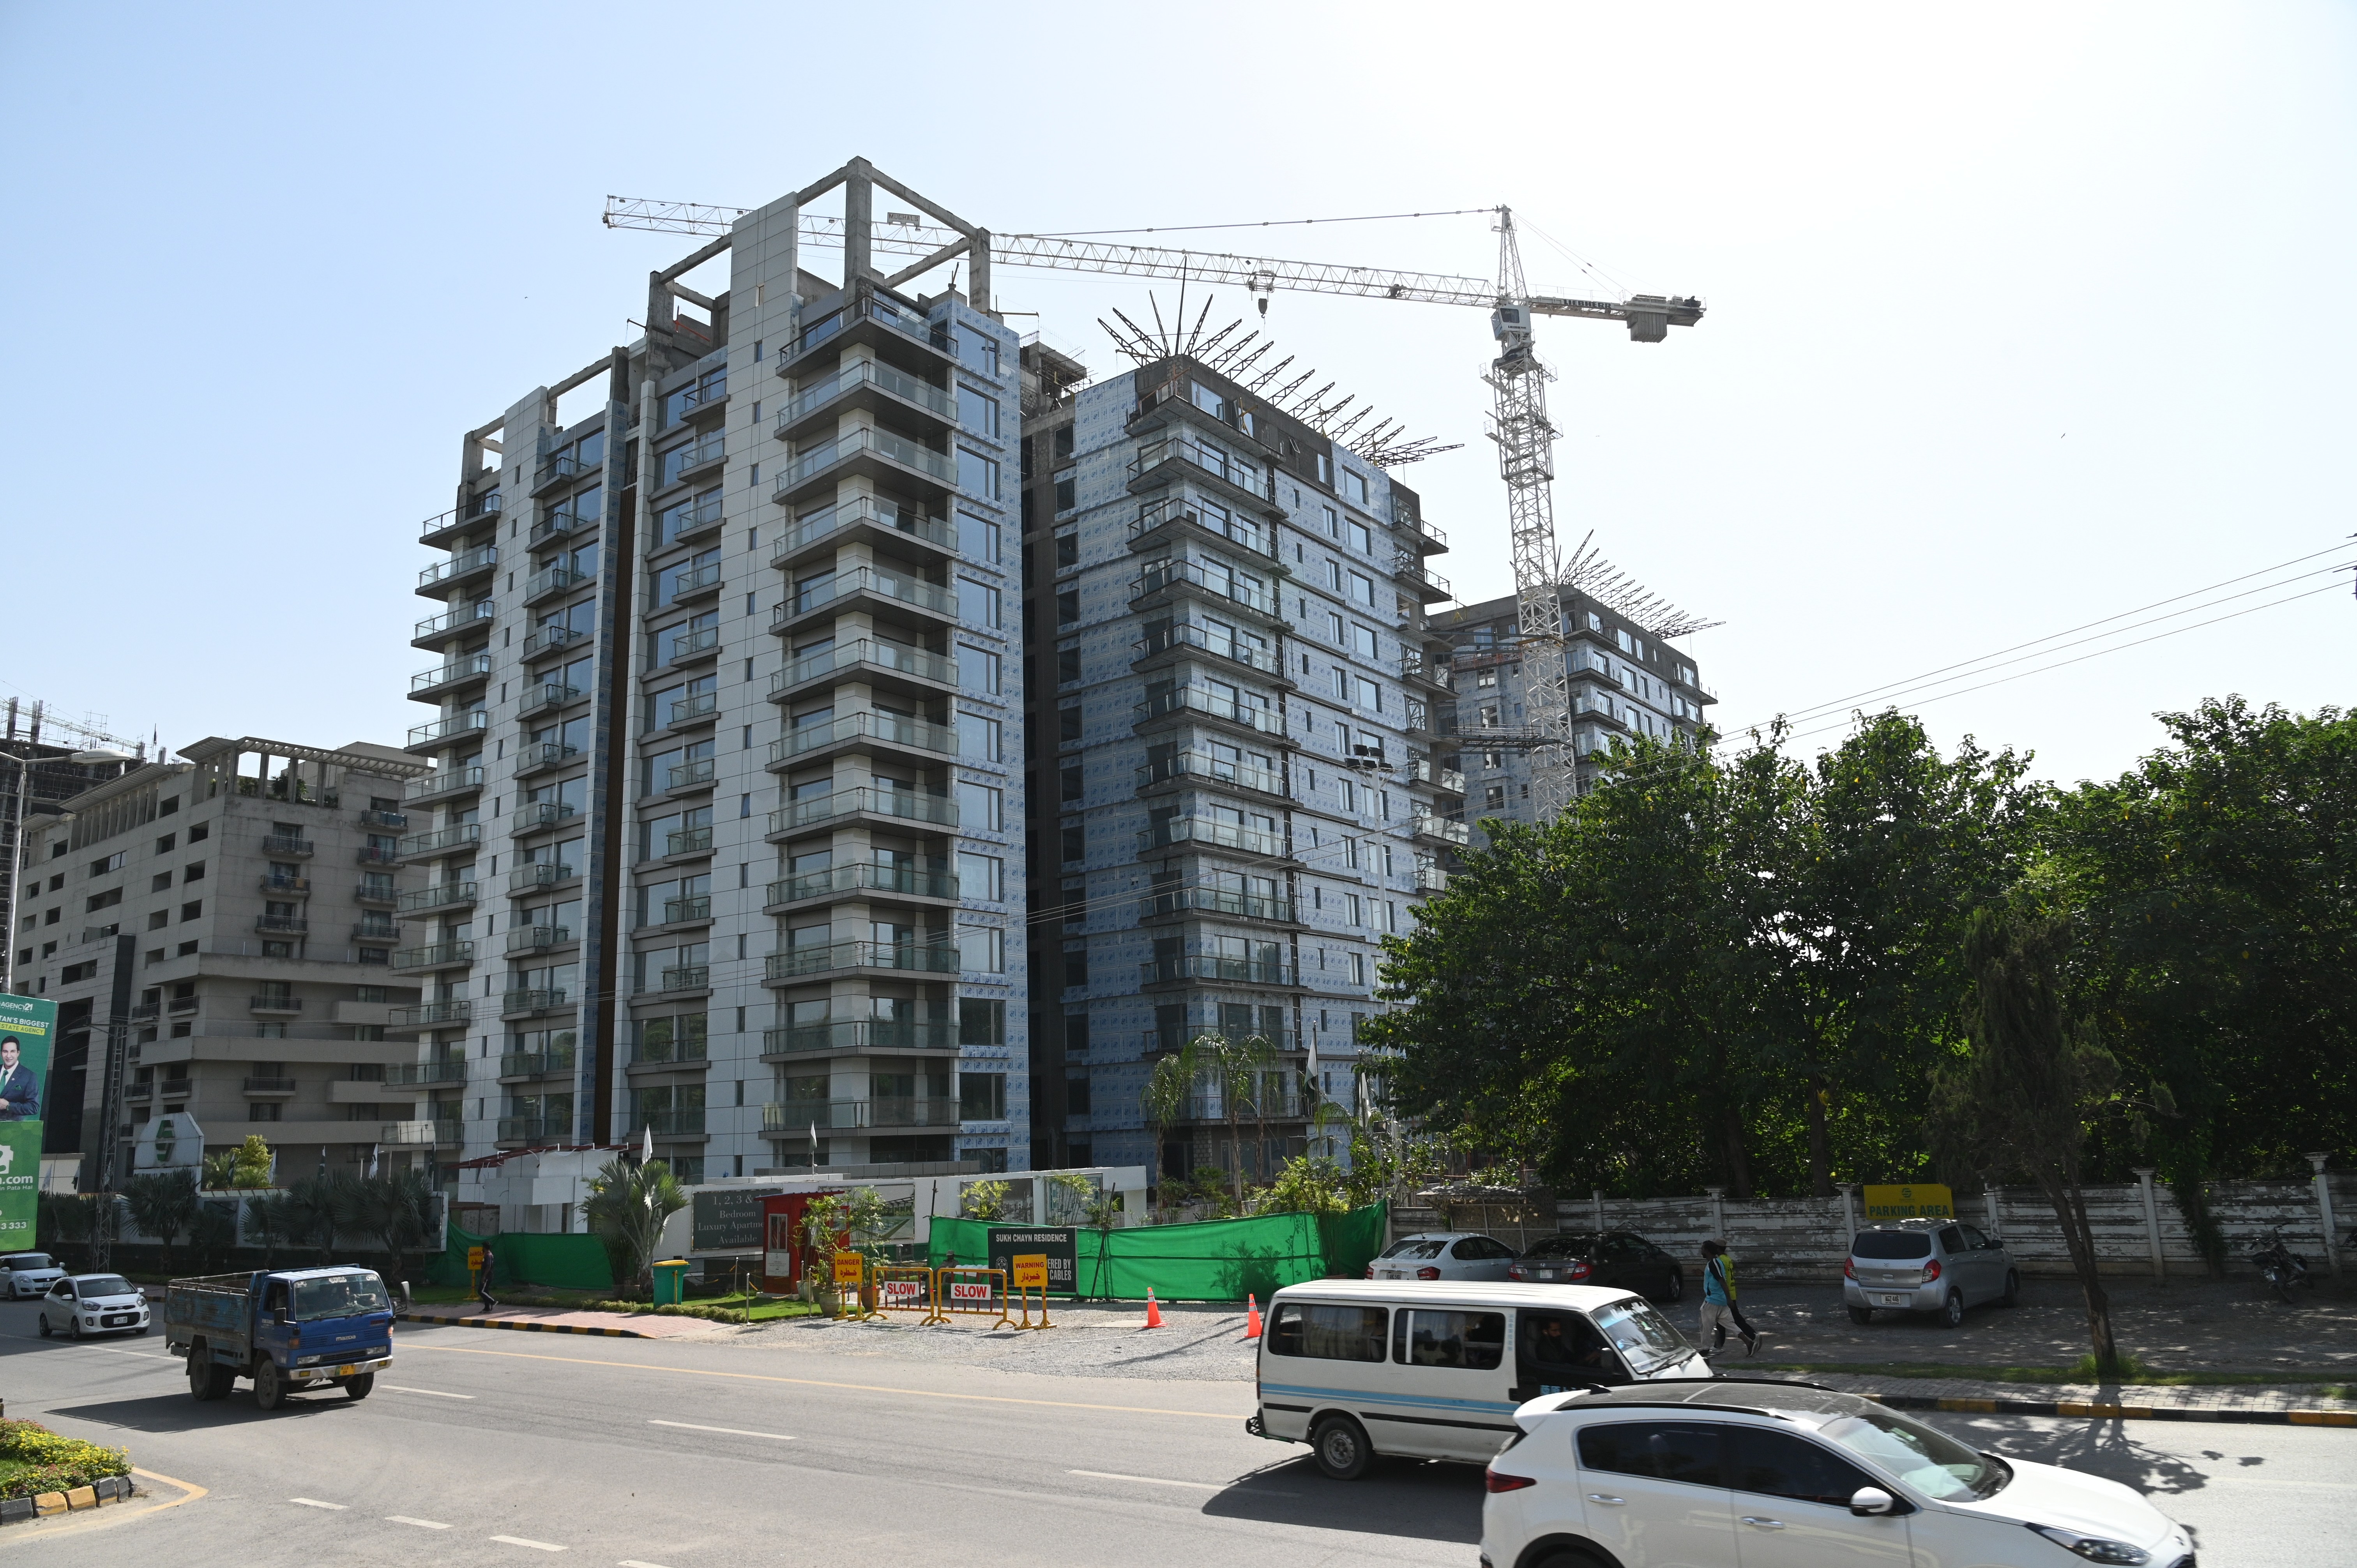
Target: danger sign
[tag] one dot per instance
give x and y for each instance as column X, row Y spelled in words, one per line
column 846, row 1268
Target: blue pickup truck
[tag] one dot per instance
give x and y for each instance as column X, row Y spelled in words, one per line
column 285, row 1328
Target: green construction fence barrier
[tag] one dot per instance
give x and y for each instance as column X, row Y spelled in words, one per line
column 1215, row 1259
column 566, row 1262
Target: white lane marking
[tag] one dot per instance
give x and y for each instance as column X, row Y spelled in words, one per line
column 730, row 1430
column 420, row 1523
column 1148, row 1480
column 536, row 1545
column 316, row 1503
column 634, row 1563
column 437, row 1393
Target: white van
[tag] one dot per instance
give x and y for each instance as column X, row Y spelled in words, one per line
column 1435, row 1370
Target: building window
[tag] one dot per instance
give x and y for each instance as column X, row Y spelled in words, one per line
column 977, row 475
column 982, row 1020
column 977, row 603
column 982, row 950
column 978, row 410
column 192, row 911
column 262, row 1110
column 981, row 808
column 981, row 878
column 982, row 1096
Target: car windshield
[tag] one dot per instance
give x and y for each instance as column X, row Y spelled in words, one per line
column 1929, row 1461
column 1641, row 1335
column 1570, row 1244
column 105, row 1285
column 29, row 1260
column 339, row 1296
column 1415, row 1247
column 1891, row 1244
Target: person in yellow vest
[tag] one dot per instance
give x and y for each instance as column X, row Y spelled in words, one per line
column 1718, row 1309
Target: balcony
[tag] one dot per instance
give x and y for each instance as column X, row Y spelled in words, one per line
column 376, row 892
column 1201, row 832
column 560, row 523
column 426, row 1075
column 669, row 1053
column 1212, row 967
column 1431, row 879
column 456, row 726
column 270, row 1087
column 696, row 584
column 888, row 665
column 900, row 805
column 281, row 925
column 686, row 711
column 540, row 756
column 1182, row 641
column 1175, row 457
column 681, row 776
column 441, row 784
column 1439, row 829
column 435, row 532
column 892, row 881
column 462, row 835
column 827, row 957
column 686, row 647
column 427, row 686
column 432, row 1014
column 138, row 1093
column 878, row 323
column 788, row 1117
column 535, row 1130
column 547, row 695
column 677, row 978
column 539, row 874
column 1409, row 568
column 1196, row 767
column 1176, row 901
column 687, row 911
column 557, row 470
column 855, row 731
column 679, row 463
column 456, row 954
column 867, row 587
column 285, row 844
column 687, row 841
column 695, row 520
column 876, row 455
column 384, row 930
column 420, row 1134
column 441, row 895
column 1267, row 1107
column 552, row 580
column 444, row 576
column 179, row 1005
column 890, row 1034
column 145, row 1011
column 533, row 815
column 274, row 1001
column 1161, row 525
column 1182, row 702
column 437, row 629
column 892, row 527
column 285, row 886
column 526, row 1001
column 668, row 1123
column 1160, row 582
column 549, row 639
column 1425, row 536
column 863, row 384
column 1424, row 770
column 537, row 1064
column 533, row 938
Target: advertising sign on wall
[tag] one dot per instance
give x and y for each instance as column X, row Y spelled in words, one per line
column 27, row 1027
column 1054, row 1242
column 1918, row 1200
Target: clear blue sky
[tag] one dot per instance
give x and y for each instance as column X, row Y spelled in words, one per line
column 2020, row 317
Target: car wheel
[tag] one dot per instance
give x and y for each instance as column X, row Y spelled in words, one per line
column 45, row 1326
column 269, row 1387
column 1340, row 1446
column 1675, row 1290
column 359, row 1386
column 2012, row 1296
column 1952, row 1311
column 1861, row 1315
column 73, row 1327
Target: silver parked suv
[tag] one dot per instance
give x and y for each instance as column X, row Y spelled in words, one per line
column 1926, row 1265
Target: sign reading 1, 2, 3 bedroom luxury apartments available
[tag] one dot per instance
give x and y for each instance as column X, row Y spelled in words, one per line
column 27, row 1027
column 1918, row 1200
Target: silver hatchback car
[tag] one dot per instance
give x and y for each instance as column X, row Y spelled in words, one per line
column 1926, row 1265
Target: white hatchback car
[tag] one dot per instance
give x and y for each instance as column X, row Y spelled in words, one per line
column 28, row 1273
column 93, row 1304
column 1443, row 1255
column 1752, row 1474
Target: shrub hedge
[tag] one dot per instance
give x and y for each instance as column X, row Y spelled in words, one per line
column 39, row 1460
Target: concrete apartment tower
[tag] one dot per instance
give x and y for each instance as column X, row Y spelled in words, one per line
column 1235, row 789
column 1625, row 683
column 727, row 796
column 219, row 935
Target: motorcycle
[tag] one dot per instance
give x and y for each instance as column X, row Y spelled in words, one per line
column 2281, row 1267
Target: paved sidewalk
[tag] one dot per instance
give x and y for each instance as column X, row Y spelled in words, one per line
column 556, row 1320
column 2293, row 1404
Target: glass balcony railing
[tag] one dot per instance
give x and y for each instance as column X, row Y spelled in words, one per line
column 687, row 1123
column 441, row 895
column 420, row 1133
column 436, row 955
column 850, row 378
column 1206, row 461
column 552, row 580
column 1213, row 901
column 809, row 466
column 679, row 977
column 910, row 805
column 1424, row 825
column 532, row 999
column 794, row 1115
column 428, row 1015
column 698, row 907
column 1165, row 575
column 535, row 1064
column 548, row 638
column 1206, row 640
column 824, row 956
column 442, row 839
column 917, row 734
column 451, row 727
column 465, row 564
column 474, row 667
column 1210, row 769
column 683, row 710
column 906, row 322
column 456, row 620
column 1177, row 832
column 1238, row 530
column 875, row 510
column 899, row 585
column 876, row 654
column 561, row 524
column 533, row 757
column 532, row 938
column 863, row 877
column 441, row 781
column 680, row 461
column 688, row 841
column 547, row 694
column 688, row 775
column 535, row 1129
column 286, row 843
column 542, row 814
column 672, row 647
column 1198, row 700
column 1212, row 966
column 417, row 1075
column 539, row 874
column 687, row 584
column 664, row 1053
column 859, row 1034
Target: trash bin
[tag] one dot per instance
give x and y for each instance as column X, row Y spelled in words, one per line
column 671, row 1283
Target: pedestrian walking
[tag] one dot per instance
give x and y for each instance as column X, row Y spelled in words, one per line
column 483, row 1279
column 1718, row 1309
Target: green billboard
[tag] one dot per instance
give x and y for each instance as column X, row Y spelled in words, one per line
column 27, row 1027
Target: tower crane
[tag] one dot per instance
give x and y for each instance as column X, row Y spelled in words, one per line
column 1517, row 378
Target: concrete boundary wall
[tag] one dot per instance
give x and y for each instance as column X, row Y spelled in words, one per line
column 1806, row 1239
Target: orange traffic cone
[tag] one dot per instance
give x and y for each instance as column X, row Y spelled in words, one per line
column 1152, row 1310
column 1251, row 1317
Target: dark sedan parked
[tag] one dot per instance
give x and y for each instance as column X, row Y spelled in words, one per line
column 1617, row 1260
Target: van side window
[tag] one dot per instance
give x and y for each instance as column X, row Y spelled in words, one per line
column 1473, row 1341
column 1328, row 1333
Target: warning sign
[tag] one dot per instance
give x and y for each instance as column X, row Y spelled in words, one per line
column 847, row 1266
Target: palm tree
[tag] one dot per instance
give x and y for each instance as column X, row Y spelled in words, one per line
column 1236, row 1071
column 271, row 1220
column 163, row 1204
column 396, row 1210
column 316, row 1207
column 628, row 1205
column 221, row 1170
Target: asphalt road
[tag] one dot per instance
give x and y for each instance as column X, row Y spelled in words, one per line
column 502, row 1448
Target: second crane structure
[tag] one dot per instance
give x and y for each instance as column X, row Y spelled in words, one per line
column 1519, row 423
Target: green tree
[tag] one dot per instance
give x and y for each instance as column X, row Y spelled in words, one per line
column 627, row 1207
column 271, row 1222
column 221, row 1170
column 163, row 1204
column 1238, row 1077
column 397, row 1209
column 984, row 1201
column 253, row 1163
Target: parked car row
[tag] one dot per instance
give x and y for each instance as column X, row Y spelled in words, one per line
column 1613, row 1259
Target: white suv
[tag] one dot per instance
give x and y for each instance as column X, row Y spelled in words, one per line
column 1752, row 1474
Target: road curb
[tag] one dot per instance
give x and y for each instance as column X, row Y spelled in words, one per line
column 2243, row 1417
column 524, row 1325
